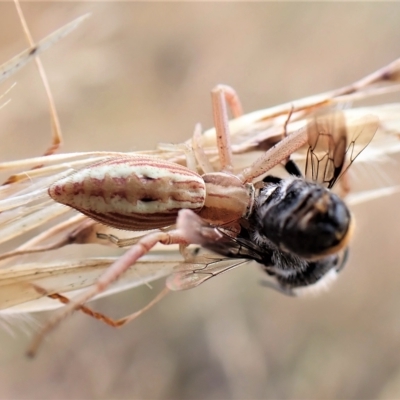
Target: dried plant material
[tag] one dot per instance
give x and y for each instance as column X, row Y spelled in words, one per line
column 21, row 284
column 16, row 63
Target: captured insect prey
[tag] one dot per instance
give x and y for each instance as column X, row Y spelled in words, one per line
column 298, row 229
column 293, row 275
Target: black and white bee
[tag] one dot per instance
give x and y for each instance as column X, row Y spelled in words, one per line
column 299, row 229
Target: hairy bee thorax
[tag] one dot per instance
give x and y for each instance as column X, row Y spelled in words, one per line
column 303, row 217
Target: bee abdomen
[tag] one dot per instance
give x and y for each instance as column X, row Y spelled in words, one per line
column 304, row 218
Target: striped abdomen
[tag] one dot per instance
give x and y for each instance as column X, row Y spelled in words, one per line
column 131, row 192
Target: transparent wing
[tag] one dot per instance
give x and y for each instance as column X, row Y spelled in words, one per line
column 333, row 145
column 206, row 267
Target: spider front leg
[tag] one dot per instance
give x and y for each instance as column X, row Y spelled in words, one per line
column 275, row 155
column 222, row 95
column 142, row 247
column 280, row 153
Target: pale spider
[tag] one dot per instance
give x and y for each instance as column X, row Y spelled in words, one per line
column 141, row 193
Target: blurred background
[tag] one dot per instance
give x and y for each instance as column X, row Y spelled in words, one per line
column 136, row 74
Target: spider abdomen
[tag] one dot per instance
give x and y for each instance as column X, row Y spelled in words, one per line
column 131, row 192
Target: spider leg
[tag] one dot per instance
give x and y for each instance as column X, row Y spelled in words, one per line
column 222, row 95
column 199, row 153
column 115, row 323
column 275, row 155
column 143, row 246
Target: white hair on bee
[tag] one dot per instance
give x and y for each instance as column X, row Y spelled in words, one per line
column 315, row 289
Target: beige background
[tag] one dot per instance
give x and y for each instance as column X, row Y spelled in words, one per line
column 139, row 73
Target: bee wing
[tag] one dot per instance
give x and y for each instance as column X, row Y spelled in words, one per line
column 205, row 267
column 360, row 134
column 22, row 285
column 333, row 145
column 16, row 63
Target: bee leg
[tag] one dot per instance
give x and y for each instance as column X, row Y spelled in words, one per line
column 292, row 168
column 315, row 276
column 278, row 288
column 344, row 259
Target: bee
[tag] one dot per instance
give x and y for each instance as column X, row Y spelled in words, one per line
column 299, row 229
